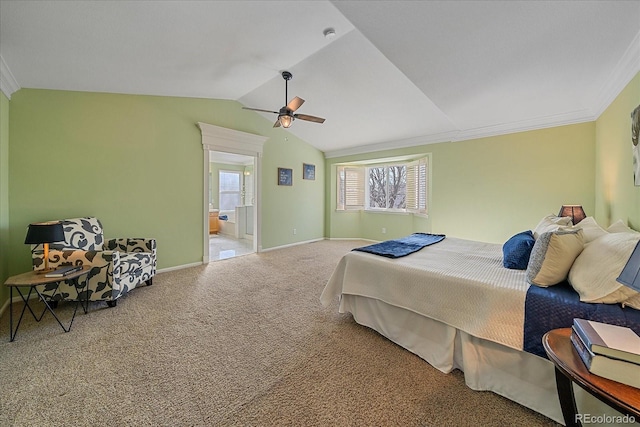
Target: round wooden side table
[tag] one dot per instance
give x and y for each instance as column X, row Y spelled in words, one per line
column 570, row 368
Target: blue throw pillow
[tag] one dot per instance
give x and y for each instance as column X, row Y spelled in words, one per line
column 517, row 250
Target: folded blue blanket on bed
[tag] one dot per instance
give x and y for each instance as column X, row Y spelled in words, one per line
column 402, row 247
column 556, row 307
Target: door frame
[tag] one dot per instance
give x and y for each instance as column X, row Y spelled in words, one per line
column 216, row 138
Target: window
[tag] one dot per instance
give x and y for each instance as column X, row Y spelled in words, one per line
column 229, row 190
column 397, row 187
column 387, row 187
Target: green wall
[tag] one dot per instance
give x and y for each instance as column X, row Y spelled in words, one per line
column 616, row 195
column 299, row 206
column 4, row 196
column 136, row 162
column 484, row 189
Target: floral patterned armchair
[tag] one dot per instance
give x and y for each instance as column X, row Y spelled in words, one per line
column 117, row 265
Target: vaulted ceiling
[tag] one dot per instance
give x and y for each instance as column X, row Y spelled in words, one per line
column 397, row 73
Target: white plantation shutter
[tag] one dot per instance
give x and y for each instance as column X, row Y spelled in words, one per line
column 354, row 188
column 412, row 186
column 417, row 174
column 350, row 187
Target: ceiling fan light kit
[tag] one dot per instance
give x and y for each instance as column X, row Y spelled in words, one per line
column 285, row 120
column 286, row 114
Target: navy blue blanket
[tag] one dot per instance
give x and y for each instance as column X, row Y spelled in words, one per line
column 402, row 247
column 556, row 307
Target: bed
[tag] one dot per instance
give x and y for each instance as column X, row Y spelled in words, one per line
column 456, row 306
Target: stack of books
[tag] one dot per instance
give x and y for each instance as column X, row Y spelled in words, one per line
column 609, row 351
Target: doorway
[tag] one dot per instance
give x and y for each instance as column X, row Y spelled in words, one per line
column 231, row 202
column 231, row 141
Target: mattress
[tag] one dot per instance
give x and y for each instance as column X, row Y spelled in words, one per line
column 460, row 283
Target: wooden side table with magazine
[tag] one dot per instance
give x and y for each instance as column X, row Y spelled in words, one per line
column 570, row 368
column 32, row 280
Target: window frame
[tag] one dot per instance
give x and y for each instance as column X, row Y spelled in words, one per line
column 417, row 169
column 367, row 187
column 221, row 192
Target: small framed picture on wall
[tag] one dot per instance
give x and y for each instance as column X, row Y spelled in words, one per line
column 285, row 176
column 308, row 171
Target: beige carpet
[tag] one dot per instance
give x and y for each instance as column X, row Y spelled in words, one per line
column 243, row 341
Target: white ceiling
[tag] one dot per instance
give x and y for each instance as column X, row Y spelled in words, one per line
column 397, row 73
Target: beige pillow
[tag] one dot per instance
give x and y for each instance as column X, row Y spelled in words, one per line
column 620, row 227
column 633, row 301
column 553, row 255
column 551, row 223
column 595, row 271
column 591, row 229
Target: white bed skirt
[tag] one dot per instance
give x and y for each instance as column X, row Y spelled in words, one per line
column 519, row 376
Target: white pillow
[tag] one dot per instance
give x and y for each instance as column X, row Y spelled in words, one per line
column 594, row 273
column 552, row 256
column 551, row 223
column 591, row 229
column 620, row 227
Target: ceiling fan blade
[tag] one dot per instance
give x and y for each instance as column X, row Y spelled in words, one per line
column 259, row 109
column 309, row 118
column 277, row 123
column 295, row 103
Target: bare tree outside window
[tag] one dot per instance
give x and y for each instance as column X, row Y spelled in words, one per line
column 388, row 187
column 377, row 188
column 397, row 184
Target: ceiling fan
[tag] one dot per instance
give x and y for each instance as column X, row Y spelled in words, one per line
column 286, row 114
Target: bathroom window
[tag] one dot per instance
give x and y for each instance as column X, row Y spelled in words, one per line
column 229, row 191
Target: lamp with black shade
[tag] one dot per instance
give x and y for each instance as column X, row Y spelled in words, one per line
column 630, row 274
column 574, row 211
column 44, row 233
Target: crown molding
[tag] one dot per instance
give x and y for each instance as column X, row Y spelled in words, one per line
column 8, row 83
column 564, row 119
column 622, row 74
column 391, row 145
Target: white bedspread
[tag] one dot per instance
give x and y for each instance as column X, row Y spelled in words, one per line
column 458, row 282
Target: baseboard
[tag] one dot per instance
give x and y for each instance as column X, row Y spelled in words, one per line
column 4, row 307
column 353, row 238
column 17, row 298
column 179, row 267
column 291, row 244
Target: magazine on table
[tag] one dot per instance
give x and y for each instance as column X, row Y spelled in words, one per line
column 64, row 271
